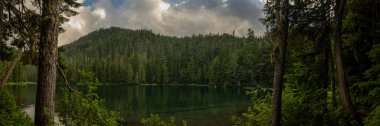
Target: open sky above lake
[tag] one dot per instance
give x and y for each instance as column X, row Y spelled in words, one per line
column 167, row 17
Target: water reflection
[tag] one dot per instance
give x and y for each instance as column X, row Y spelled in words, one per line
column 198, row 105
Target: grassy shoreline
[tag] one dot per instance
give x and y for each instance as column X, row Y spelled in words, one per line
column 112, row 84
column 20, row 83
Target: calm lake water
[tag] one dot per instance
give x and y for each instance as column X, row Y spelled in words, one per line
column 197, row 105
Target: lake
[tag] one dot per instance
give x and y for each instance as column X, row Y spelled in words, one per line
column 198, row 105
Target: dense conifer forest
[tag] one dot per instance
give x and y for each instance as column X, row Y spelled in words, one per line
column 141, row 57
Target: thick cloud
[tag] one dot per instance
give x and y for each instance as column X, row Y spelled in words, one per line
column 168, row 18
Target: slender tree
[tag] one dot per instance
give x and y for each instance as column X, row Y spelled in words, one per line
column 323, row 47
column 281, row 7
column 47, row 65
column 1, row 20
column 9, row 71
column 342, row 85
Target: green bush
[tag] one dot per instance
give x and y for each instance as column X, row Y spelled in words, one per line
column 297, row 109
column 10, row 114
column 155, row 120
column 259, row 114
column 86, row 109
column 374, row 119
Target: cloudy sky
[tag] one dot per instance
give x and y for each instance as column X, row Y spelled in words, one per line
column 168, row 17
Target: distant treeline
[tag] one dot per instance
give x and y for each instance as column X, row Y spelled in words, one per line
column 118, row 55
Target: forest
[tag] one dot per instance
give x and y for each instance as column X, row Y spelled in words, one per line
column 141, row 57
column 320, row 59
column 125, row 56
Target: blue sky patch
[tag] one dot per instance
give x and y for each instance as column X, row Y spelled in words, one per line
column 117, row 3
column 89, row 2
column 175, row 1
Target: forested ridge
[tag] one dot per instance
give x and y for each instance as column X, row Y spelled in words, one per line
column 118, row 55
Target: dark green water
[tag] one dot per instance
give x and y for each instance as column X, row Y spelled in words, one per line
column 198, row 105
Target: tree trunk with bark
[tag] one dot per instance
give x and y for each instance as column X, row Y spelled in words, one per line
column 348, row 107
column 332, row 80
column 282, row 36
column 9, row 71
column 47, row 63
column 2, row 3
column 323, row 65
column 324, row 47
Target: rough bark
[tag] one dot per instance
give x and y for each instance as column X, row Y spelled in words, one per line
column 47, row 62
column 282, row 36
column 324, row 64
column 332, row 79
column 348, row 107
column 325, row 49
column 9, row 71
column 2, row 3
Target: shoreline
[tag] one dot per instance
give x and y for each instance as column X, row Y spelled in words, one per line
column 118, row 84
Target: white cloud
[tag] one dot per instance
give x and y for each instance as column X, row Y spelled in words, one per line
column 163, row 6
column 187, row 18
column 100, row 12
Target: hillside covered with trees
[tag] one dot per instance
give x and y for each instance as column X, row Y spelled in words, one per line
column 118, row 55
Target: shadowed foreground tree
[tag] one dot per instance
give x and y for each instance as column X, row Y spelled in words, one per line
column 47, row 65
column 347, row 104
column 48, row 56
column 281, row 7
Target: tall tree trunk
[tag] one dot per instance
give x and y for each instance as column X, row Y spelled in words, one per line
column 9, row 71
column 2, row 3
column 343, row 88
column 47, row 63
column 2, row 29
column 324, row 66
column 282, row 36
column 332, row 79
column 324, row 47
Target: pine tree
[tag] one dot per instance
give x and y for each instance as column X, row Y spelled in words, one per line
column 281, row 7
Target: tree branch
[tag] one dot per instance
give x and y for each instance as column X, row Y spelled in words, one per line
column 65, row 79
column 9, row 71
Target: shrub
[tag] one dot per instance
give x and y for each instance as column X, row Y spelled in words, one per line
column 10, row 114
column 86, row 109
column 297, row 109
column 155, row 120
column 374, row 119
column 259, row 114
